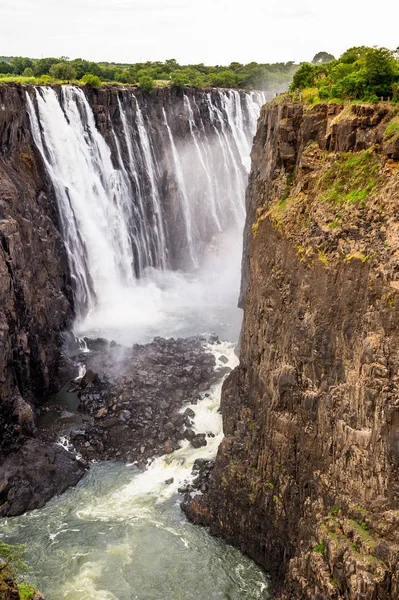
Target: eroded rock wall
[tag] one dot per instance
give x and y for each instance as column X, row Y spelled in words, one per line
column 307, row 477
column 35, row 293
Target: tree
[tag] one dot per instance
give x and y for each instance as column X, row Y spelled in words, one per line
column 124, row 76
column 84, row 66
column 43, row 65
column 322, row 57
column 224, row 78
column 5, row 67
column 170, row 65
column 62, row 70
column 146, row 83
column 28, row 72
column 304, row 77
column 380, row 70
column 353, row 54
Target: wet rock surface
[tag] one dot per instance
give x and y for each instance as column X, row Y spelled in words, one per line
column 51, row 471
column 35, row 293
column 131, row 399
column 201, row 472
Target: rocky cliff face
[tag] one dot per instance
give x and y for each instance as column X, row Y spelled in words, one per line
column 35, row 296
column 36, row 306
column 307, row 478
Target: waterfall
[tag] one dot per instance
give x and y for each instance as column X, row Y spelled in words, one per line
column 186, row 208
column 168, row 175
column 91, row 194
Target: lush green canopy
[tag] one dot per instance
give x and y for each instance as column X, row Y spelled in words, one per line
column 272, row 77
column 361, row 73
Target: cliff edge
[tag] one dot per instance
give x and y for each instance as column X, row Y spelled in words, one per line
column 306, row 479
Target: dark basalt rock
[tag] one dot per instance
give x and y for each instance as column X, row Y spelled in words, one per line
column 202, row 470
column 34, row 474
column 199, row 440
column 131, row 399
column 35, row 293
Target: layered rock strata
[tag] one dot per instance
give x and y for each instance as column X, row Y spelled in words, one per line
column 306, row 480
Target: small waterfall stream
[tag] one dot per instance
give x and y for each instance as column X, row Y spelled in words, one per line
column 151, row 212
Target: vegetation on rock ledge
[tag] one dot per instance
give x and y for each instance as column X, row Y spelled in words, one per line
column 12, row 567
column 361, row 73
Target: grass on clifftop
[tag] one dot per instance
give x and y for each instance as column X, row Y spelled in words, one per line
column 351, row 178
column 332, row 206
column 93, row 82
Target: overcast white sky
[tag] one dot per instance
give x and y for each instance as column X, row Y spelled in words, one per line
column 209, row 31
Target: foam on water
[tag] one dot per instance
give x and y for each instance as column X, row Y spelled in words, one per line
column 120, row 535
column 125, row 502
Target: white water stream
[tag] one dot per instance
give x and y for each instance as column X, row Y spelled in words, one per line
column 120, row 534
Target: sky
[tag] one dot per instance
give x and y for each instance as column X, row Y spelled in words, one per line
column 194, row 31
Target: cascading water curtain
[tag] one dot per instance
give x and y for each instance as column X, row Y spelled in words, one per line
column 113, row 209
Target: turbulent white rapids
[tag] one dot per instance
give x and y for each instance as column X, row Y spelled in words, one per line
column 151, row 209
column 147, row 200
column 120, row 535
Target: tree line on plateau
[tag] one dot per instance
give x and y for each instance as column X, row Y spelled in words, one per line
column 272, row 77
column 361, row 73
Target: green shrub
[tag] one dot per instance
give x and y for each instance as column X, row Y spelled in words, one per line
column 146, row 83
column 91, row 80
column 179, row 79
column 26, row 591
column 12, row 557
column 320, row 548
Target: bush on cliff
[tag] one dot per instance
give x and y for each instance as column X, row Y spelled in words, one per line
column 179, row 79
column 361, row 73
column 146, row 83
column 12, row 565
column 91, row 80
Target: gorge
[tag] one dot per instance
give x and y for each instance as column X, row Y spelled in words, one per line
column 142, row 203
column 306, row 478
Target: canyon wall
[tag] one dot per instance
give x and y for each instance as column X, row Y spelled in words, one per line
column 306, row 479
column 35, row 294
